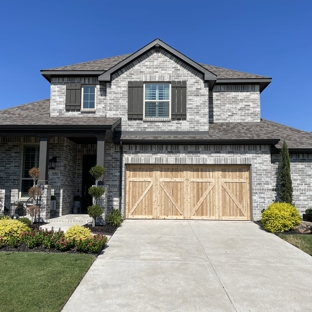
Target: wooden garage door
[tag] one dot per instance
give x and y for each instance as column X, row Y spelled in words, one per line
column 188, row 192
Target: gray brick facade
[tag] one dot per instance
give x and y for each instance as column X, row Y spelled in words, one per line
column 236, row 103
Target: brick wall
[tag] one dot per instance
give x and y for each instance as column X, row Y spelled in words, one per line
column 235, row 103
column 301, row 169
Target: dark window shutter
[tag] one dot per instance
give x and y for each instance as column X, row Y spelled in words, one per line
column 178, row 100
column 73, row 97
column 135, row 100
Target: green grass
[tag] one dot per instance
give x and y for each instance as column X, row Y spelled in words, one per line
column 301, row 241
column 39, row 281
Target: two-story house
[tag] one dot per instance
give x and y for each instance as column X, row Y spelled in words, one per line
column 178, row 139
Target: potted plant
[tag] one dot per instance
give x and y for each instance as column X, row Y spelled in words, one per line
column 53, row 203
column 96, row 192
column 307, row 216
column 77, row 203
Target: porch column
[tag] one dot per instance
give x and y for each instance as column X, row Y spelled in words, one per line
column 43, row 161
column 100, row 150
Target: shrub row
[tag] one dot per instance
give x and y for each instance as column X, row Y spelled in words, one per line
column 14, row 233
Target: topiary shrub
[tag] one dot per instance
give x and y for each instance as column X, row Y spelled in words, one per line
column 95, row 211
column 77, row 232
column 12, row 229
column 114, row 218
column 25, row 221
column 96, row 191
column 280, row 217
column 97, row 172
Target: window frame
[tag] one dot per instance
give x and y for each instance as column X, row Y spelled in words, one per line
column 83, row 109
column 37, row 146
column 169, row 100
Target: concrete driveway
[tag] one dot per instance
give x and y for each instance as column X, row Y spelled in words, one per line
column 195, row 266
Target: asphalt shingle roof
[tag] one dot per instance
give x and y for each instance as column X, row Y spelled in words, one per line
column 263, row 130
column 38, row 113
column 107, row 63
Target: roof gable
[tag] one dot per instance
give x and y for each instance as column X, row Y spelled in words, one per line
column 157, row 43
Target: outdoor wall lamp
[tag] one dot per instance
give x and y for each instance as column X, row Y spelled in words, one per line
column 52, row 163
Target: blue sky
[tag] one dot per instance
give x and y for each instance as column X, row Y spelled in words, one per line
column 268, row 37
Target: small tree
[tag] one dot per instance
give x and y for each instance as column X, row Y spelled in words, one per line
column 96, row 192
column 284, row 178
column 35, row 193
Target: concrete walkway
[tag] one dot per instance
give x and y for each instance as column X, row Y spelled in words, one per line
column 195, row 266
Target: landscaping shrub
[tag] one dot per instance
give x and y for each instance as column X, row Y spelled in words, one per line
column 32, row 238
column 96, row 243
column 308, row 211
column 64, row 244
column 280, row 217
column 77, row 232
column 96, row 191
column 114, row 217
column 12, row 228
column 97, row 172
column 5, row 218
column 25, row 220
column 94, row 211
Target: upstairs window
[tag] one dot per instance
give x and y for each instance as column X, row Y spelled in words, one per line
column 157, row 101
column 88, row 97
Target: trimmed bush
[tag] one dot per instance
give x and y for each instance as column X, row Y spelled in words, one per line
column 280, row 217
column 25, row 221
column 95, row 211
column 308, row 211
column 12, row 229
column 114, row 218
column 96, row 191
column 77, row 232
column 97, row 172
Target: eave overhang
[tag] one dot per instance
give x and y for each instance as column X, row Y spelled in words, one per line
column 198, row 141
column 275, row 150
column 157, row 43
column 56, row 130
column 262, row 82
column 48, row 74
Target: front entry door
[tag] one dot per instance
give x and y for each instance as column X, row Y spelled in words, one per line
column 89, row 161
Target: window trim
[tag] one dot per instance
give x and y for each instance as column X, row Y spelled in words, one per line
column 155, row 118
column 82, row 95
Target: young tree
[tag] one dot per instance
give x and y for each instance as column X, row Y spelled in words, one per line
column 285, row 191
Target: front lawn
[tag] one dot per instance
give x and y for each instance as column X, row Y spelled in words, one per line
column 301, row 241
column 39, row 281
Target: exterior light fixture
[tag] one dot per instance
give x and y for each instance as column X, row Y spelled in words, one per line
column 52, row 163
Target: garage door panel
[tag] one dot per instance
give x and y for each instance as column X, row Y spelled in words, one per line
column 202, row 199
column 171, row 198
column 140, row 198
column 188, row 192
column 234, row 200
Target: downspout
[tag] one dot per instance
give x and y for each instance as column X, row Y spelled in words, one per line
column 120, row 173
